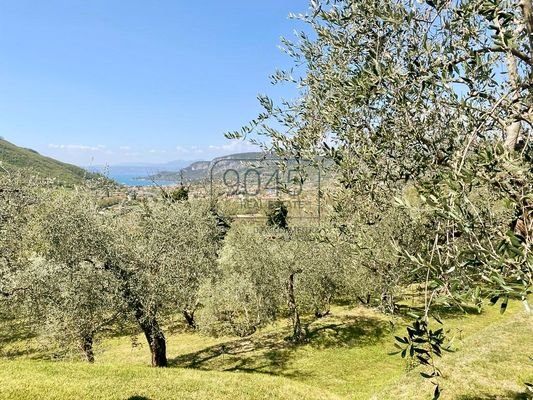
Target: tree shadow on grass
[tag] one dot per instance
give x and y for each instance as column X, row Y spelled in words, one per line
column 14, row 331
column 265, row 353
column 413, row 302
column 16, row 341
column 14, row 336
column 348, row 331
column 271, row 353
column 441, row 311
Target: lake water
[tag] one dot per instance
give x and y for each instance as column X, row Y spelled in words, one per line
column 128, row 175
column 130, row 180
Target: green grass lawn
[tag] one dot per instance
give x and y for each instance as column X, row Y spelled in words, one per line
column 346, row 358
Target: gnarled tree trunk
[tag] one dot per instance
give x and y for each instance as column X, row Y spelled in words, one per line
column 146, row 320
column 189, row 317
column 327, row 308
column 297, row 331
column 86, row 345
column 156, row 340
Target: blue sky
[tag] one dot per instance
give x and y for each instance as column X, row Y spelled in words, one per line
column 113, row 81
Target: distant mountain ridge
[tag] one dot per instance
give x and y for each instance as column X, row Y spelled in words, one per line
column 200, row 169
column 13, row 157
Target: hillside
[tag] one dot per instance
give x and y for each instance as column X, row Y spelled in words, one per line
column 347, row 358
column 13, row 157
column 200, row 169
column 241, row 163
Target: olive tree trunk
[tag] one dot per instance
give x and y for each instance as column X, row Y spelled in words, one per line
column 146, row 320
column 87, row 348
column 189, row 317
column 297, row 331
column 156, row 341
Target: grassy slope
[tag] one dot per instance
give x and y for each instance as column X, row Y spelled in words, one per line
column 492, row 361
column 13, row 158
column 346, row 359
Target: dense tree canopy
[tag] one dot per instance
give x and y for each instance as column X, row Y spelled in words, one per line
column 425, row 106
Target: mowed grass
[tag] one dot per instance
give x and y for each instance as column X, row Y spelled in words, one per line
column 346, row 358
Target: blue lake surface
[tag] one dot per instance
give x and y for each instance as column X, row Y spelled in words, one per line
column 129, row 175
column 130, row 180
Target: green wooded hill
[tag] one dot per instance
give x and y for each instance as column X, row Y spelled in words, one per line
column 14, row 158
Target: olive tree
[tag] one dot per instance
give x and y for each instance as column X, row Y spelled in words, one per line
column 73, row 306
column 141, row 263
column 373, row 236
column 17, row 194
column 406, row 94
column 15, row 198
column 161, row 254
column 72, row 298
column 266, row 273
